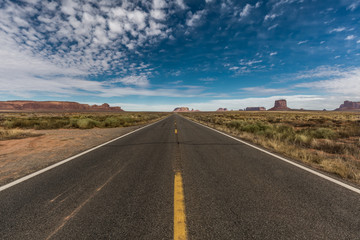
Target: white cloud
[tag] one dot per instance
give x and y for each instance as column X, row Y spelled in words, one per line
column 181, row 4
column 258, row 4
column 263, row 90
column 158, row 4
column 273, row 53
column 139, row 81
column 246, row 10
column 339, row 29
column 158, row 14
column 344, row 82
column 350, row 37
column 321, row 72
column 250, row 62
column 69, row 7
column 353, row 5
column 116, row 27
column 302, row 42
column 273, row 26
column 91, row 37
column 270, row 16
column 195, row 19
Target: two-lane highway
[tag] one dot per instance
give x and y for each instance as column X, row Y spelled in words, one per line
column 176, row 174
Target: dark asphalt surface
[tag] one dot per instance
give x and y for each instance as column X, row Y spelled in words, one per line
column 124, row 190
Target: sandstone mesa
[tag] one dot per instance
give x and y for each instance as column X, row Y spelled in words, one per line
column 55, row 106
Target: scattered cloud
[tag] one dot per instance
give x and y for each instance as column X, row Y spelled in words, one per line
column 273, row 26
column 181, row 4
column 263, row 90
column 355, row 4
column 332, row 80
column 250, row 62
column 139, row 81
column 339, row 29
column 345, row 82
column 195, row 19
column 270, row 16
column 246, row 11
column 321, row 72
column 302, row 42
column 350, row 37
column 273, row 53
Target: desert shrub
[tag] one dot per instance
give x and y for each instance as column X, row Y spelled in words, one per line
column 324, row 133
column 235, row 124
column 85, row 123
column 303, row 140
column 112, row 122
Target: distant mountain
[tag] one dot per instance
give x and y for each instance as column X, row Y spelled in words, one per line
column 184, row 109
column 55, row 106
column 255, row 109
column 349, row 106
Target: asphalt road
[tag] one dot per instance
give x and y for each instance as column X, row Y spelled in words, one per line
column 125, row 190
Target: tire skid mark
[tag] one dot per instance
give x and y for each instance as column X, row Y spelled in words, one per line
column 77, row 210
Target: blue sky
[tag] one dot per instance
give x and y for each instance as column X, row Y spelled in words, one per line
column 158, row 55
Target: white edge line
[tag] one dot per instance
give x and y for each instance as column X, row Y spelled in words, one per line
column 6, row 186
column 356, row 190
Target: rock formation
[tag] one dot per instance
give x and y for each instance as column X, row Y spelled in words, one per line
column 184, row 109
column 222, row 110
column 280, row 105
column 181, row 109
column 349, row 106
column 255, row 109
column 54, row 106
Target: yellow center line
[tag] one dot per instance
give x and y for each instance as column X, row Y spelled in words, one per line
column 180, row 232
column 175, row 131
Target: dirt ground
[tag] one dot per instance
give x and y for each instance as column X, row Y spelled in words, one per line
column 20, row 157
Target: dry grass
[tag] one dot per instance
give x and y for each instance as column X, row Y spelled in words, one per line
column 7, row 134
column 329, row 141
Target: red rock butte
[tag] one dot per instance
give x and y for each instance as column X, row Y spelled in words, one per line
column 255, row 109
column 349, row 106
column 280, row 105
column 184, row 109
column 222, row 110
column 54, row 106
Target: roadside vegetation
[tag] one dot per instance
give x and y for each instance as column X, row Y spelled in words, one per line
column 329, row 141
column 13, row 125
column 6, row 134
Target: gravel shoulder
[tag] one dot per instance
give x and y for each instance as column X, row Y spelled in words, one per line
column 20, row 157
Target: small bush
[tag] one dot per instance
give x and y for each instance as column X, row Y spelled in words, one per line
column 324, row 133
column 112, row 122
column 85, row 123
